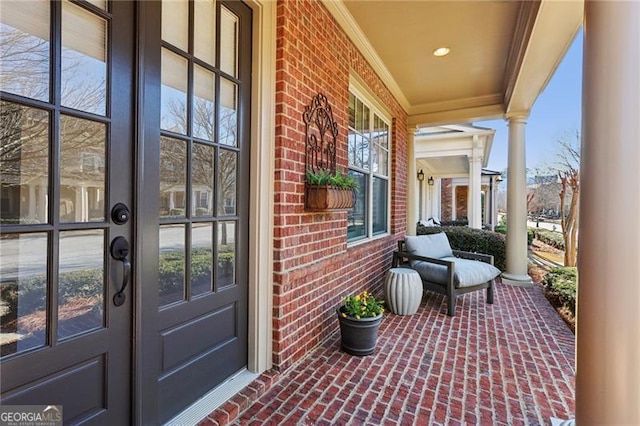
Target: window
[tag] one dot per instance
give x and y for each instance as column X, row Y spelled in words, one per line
column 369, row 165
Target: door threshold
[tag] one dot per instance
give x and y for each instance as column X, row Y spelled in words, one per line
column 214, row 398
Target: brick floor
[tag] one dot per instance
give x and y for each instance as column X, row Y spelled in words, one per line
column 510, row 363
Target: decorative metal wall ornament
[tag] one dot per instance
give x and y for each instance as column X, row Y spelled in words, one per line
column 321, row 135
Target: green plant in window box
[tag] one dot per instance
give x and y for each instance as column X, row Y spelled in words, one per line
column 329, row 191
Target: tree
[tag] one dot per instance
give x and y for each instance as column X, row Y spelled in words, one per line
column 569, row 175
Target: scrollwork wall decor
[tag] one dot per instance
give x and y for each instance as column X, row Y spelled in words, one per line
column 321, row 135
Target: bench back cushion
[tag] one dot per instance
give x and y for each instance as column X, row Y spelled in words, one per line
column 434, row 245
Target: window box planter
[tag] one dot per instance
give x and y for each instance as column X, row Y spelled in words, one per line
column 326, row 197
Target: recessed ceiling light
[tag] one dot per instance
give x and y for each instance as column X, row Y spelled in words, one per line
column 441, row 51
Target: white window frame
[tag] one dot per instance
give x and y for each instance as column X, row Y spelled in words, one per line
column 364, row 94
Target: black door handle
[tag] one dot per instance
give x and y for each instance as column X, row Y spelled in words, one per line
column 120, row 251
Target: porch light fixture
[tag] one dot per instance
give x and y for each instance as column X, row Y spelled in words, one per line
column 430, row 181
column 441, row 51
column 420, row 175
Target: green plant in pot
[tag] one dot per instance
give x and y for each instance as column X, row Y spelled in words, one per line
column 360, row 316
column 329, row 191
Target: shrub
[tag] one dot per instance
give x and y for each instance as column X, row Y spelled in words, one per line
column 30, row 294
column 460, row 222
column 560, row 284
column 201, row 211
column 473, row 240
column 551, row 238
column 531, row 234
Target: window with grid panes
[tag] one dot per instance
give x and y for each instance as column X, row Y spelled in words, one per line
column 369, row 164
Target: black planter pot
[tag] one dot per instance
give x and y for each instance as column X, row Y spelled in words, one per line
column 359, row 336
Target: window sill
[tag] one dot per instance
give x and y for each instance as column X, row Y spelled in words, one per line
column 363, row 241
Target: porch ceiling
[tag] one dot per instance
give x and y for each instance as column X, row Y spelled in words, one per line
column 502, row 52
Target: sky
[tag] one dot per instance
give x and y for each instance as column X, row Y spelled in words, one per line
column 556, row 113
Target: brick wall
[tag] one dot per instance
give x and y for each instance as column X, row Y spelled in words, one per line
column 446, row 200
column 462, row 196
column 313, row 267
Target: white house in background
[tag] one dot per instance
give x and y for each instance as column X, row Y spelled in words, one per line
column 452, row 181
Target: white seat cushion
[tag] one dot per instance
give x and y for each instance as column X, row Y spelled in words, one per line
column 467, row 272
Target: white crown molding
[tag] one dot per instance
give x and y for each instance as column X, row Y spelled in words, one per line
column 521, row 36
column 348, row 24
column 465, row 115
column 455, row 104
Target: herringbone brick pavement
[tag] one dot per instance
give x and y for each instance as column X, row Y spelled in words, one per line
column 510, row 363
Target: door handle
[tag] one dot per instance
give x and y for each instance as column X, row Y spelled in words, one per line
column 120, row 251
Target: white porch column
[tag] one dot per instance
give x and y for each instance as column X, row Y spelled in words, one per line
column 474, row 208
column 516, row 273
column 434, row 198
column 32, row 201
column 412, row 184
column 493, row 210
column 608, row 328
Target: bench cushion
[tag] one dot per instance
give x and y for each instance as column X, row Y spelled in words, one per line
column 467, row 272
column 434, row 245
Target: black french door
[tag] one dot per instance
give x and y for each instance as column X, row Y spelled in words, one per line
column 66, row 150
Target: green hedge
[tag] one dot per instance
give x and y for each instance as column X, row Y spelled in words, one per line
column 473, row 240
column 32, row 292
column 560, row 283
column 553, row 238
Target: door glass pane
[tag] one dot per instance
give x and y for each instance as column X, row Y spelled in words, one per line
column 226, row 272
column 173, row 177
column 24, row 48
column 175, row 23
column 204, row 103
column 357, row 219
column 202, row 180
column 227, row 184
column 23, row 292
column 379, row 205
column 173, row 93
column 80, row 282
column 24, row 164
column 228, row 120
column 205, row 30
column 228, row 42
column 201, row 258
column 84, row 60
column 82, row 170
column 171, row 286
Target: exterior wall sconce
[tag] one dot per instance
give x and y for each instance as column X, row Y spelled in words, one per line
column 430, row 181
column 420, row 175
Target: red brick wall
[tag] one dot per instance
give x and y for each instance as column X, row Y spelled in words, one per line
column 446, row 200
column 313, row 268
column 462, row 193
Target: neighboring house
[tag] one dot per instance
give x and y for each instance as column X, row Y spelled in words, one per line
column 544, row 194
column 454, row 199
column 217, row 271
column 453, row 186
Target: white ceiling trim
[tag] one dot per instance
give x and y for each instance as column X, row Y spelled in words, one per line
column 344, row 18
column 455, row 104
column 466, row 115
column 522, row 36
column 555, row 27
